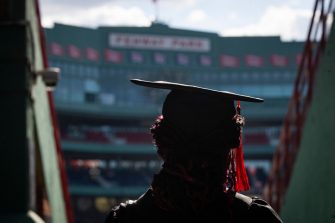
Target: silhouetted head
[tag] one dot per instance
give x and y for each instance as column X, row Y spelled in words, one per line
column 197, row 129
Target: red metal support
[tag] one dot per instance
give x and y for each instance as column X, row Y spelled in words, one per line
column 291, row 134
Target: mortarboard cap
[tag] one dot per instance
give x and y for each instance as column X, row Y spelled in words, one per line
column 195, row 89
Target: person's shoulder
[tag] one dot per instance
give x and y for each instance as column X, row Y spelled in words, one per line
column 121, row 213
column 128, row 210
column 256, row 209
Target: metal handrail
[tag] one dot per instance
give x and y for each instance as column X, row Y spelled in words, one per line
column 291, row 133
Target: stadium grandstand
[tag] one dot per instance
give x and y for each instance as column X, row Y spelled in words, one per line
column 105, row 120
column 70, row 153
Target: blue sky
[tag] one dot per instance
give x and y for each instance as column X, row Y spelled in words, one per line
column 286, row 18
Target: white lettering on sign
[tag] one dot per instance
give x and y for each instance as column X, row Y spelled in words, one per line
column 143, row 41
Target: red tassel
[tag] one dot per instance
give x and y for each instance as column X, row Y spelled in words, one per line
column 242, row 182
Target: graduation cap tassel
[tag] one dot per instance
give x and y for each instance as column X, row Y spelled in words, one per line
column 242, row 183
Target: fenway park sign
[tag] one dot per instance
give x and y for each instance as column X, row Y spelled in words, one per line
column 142, row 41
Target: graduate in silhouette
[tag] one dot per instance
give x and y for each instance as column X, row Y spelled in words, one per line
column 198, row 136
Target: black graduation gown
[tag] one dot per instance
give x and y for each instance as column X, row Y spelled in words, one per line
column 243, row 209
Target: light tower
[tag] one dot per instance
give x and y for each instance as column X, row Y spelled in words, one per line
column 155, row 2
